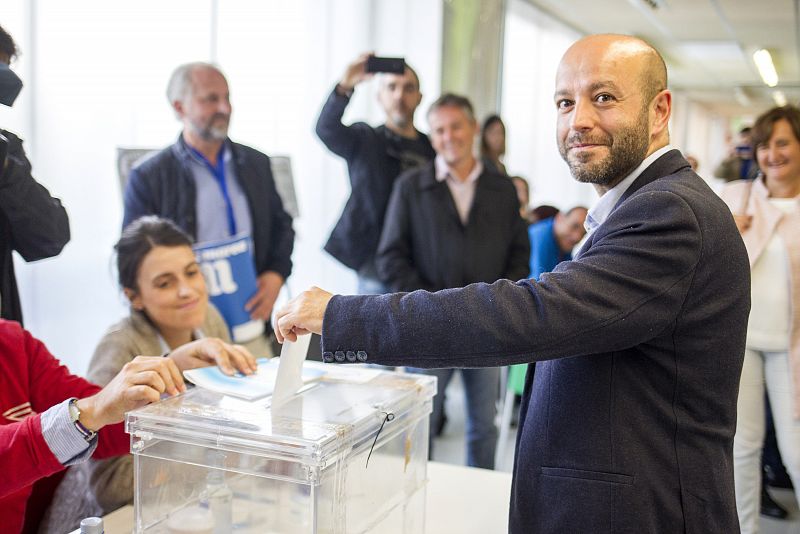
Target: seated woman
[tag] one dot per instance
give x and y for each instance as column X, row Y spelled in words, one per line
column 169, row 308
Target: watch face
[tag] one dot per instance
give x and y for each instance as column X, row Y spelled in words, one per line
column 74, row 411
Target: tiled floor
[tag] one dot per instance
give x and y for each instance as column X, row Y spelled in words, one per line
column 449, row 448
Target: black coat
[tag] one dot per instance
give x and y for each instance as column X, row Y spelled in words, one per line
column 373, row 166
column 425, row 245
column 163, row 186
column 31, row 222
column 629, row 413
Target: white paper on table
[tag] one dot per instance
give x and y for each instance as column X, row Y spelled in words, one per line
column 290, row 369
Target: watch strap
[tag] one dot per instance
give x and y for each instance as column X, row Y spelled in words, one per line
column 75, row 415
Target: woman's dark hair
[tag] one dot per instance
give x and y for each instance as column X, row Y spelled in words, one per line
column 491, row 119
column 7, row 45
column 139, row 238
column 765, row 124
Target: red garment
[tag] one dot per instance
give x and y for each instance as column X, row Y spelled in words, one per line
column 31, row 381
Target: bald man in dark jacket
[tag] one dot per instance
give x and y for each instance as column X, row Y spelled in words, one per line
column 629, row 412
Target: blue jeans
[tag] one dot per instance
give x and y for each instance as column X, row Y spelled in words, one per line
column 480, row 391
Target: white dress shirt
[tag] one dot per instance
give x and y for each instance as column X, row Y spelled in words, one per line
column 462, row 191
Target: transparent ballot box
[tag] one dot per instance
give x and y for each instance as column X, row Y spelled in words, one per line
column 347, row 454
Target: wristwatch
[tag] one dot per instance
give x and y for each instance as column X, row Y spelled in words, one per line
column 75, row 417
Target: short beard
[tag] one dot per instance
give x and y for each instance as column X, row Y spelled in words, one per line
column 401, row 121
column 209, row 132
column 626, row 151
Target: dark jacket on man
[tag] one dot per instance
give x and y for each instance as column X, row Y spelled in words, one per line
column 425, row 245
column 629, row 412
column 31, row 222
column 374, row 164
column 163, row 186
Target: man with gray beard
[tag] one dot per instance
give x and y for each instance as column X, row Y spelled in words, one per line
column 629, row 410
column 218, row 192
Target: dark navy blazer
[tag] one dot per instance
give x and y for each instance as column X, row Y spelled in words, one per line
column 629, row 413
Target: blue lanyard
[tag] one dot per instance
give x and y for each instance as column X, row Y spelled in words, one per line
column 218, row 171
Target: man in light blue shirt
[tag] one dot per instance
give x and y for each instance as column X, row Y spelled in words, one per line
column 219, row 192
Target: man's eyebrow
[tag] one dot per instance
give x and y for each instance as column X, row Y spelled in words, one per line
column 594, row 87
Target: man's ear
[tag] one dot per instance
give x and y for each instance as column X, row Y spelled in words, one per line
column 661, row 109
column 179, row 109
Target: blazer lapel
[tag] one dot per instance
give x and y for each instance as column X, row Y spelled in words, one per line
column 765, row 220
column 667, row 164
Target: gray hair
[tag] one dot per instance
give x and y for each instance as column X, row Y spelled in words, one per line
column 455, row 101
column 180, row 82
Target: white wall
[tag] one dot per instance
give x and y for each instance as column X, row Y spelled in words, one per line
column 95, row 74
column 699, row 132
column 534, row 44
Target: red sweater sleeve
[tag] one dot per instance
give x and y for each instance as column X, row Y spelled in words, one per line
column 28, row 372
column 24, row 455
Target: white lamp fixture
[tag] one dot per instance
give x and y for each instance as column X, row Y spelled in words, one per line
column 766, row 68
column 779, row 98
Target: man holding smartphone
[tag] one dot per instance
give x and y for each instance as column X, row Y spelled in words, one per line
column 375, row 158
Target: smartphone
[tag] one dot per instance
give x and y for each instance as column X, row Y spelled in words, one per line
column 395, row 65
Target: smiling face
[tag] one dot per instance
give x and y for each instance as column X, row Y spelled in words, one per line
column 170, row 289
column 206, row 110
column 607, row 121
column 452, row 135
column 779, row 156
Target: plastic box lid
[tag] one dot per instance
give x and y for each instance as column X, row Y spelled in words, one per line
column 345, row 408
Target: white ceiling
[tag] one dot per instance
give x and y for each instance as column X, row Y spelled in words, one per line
column 708, row 44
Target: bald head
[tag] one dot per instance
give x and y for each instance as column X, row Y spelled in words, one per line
column 633, row 55
column 613, row 106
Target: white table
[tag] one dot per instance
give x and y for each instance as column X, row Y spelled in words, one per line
column 461, row 500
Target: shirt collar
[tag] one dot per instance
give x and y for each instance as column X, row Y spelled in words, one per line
column 197, row 157
column 605, row 204
column 443, row 170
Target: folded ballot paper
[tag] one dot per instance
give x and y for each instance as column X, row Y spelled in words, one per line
column 279, row 377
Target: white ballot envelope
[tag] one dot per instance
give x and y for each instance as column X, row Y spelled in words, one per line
column 279, row 377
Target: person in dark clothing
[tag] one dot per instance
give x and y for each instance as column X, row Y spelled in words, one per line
column 629, row 411
column 32, row 222
column 375, row 158
column 451, row 223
